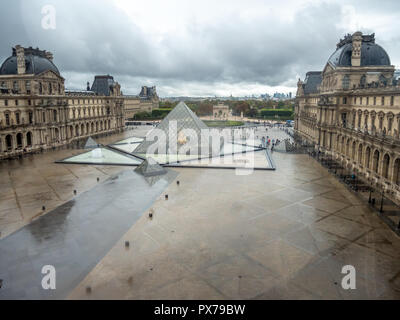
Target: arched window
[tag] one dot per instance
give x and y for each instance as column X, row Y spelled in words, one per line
column 19, row 140
column 376, row 161
column 396, row 175
column 15, row 86
column 385, row 168
column 343, row 146
column 367, row 157
column 346, row 82
column 9, row 142
column 360, row 148
column 30, row 117
column 363, row 80
column 353, row 151
column 29, row 139
column 17, row 118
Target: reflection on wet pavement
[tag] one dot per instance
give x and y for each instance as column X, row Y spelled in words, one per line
column 74, row 237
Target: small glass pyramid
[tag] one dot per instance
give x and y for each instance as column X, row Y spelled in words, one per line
column 150, row 168
column 91, row 143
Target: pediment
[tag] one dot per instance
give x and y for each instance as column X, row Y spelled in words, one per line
column 49, row 74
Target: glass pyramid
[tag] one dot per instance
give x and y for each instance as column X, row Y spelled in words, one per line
column 91, row 143
column 150, row 168
column 184, row 118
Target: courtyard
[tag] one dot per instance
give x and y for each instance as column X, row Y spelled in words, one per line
column 272, row 234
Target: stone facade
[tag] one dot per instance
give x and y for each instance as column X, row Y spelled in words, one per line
column 351, row 110
column 36, row 112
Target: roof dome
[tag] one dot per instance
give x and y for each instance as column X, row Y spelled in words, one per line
column 36, row 62
column 371, row 53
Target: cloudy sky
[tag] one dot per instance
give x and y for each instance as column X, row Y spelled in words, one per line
column 195, row 48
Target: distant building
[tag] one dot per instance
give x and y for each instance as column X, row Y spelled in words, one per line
column 147, row 100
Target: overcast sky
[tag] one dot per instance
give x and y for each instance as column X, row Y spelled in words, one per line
column 196, row 48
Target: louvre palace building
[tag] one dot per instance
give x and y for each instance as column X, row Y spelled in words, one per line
column 38, row 113
column 351, row 110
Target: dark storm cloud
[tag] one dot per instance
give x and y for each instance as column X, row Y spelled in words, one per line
column 95, row 37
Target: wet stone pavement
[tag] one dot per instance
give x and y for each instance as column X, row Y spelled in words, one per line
column 283, row 234
column 74, row 237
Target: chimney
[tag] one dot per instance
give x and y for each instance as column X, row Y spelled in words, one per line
column 49, row 56
column 21, row 66
column 88, row 86
column 356, row 51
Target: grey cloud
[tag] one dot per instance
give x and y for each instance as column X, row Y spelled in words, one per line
column 95, row 37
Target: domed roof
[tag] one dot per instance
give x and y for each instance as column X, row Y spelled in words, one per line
column 371, row 54
column 35, row 62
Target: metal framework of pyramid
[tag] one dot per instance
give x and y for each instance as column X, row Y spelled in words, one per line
column 185, row 119
column 150, row 168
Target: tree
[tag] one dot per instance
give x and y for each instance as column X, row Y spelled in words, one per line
column 205, row 109
column 252, row 113
column 241, row 106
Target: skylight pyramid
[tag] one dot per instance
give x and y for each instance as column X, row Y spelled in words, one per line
column 91, row 144
column 150, row 168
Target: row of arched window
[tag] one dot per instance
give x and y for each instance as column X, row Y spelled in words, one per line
column 90, row 111
column 370, row 158
column 15, row 142
column 89, row 128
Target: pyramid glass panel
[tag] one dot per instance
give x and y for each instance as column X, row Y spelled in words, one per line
column 126, row 147
column 103, row 156
column 258, row 160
